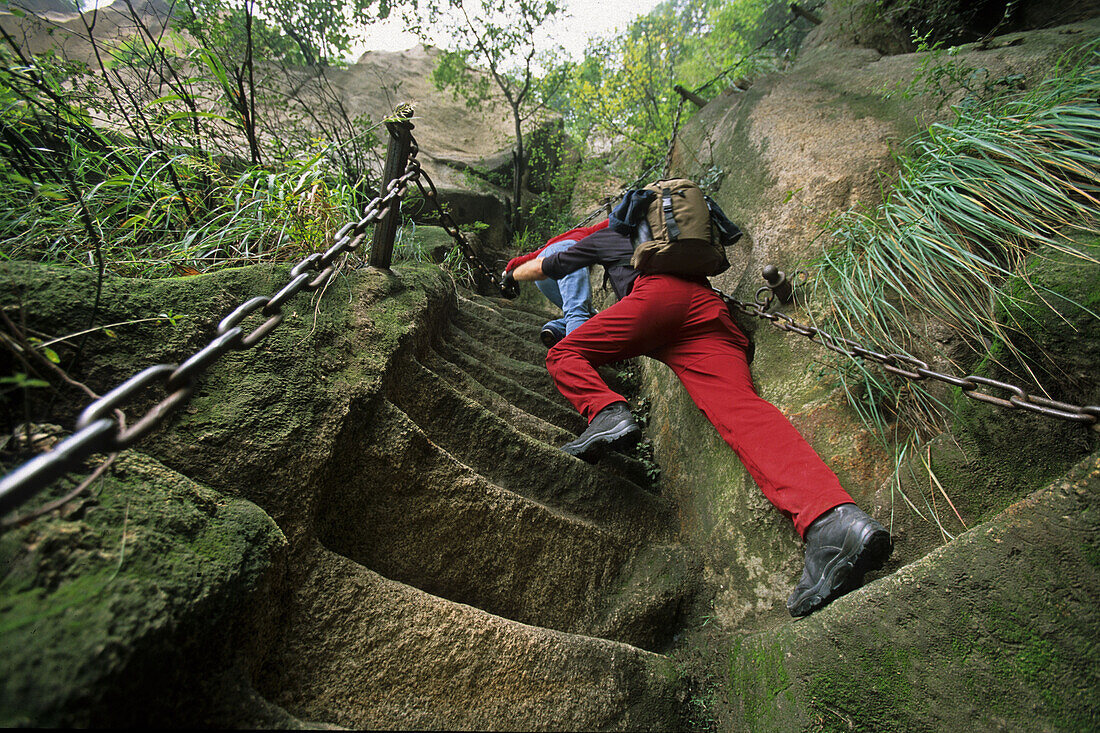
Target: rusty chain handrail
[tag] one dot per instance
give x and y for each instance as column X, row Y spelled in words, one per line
column 447, row 221
column 96, row 432
column 916, row 370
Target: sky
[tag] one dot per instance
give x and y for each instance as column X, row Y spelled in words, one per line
column 589, row 19
column 586, row 19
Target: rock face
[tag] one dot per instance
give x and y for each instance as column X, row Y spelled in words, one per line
column 459, row 145
column 793, row 149
column 144, row 585
column 365, row 523
column 995, row 630
column 788, row 153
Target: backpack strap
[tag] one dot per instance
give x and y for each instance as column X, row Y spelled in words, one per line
column 728, row 232
column 670, row 220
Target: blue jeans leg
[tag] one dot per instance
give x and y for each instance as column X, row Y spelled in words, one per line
column 576, row 294
column 549, row 288
column 572, row 293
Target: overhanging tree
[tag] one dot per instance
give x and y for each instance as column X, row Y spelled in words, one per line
column 624, row 86
column 496, row 58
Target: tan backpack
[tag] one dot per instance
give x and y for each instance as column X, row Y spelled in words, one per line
column 683, row 237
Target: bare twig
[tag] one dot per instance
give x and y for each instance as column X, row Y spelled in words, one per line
column 23, row 519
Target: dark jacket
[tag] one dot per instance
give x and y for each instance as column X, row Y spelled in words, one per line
column 605, row 247
column 608, row 248
column 631, row 211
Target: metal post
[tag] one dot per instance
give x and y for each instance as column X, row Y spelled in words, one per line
column 803, row 13
column 690, row 96
column 397, row 154
column 778, row 283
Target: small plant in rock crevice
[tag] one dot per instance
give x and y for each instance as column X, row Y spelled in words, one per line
column 941, row 75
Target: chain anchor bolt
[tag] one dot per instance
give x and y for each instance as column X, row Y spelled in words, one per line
column 778, row 283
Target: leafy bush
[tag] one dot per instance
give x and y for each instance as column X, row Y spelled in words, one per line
column 95, row 172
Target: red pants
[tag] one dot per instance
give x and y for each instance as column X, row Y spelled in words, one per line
column 686, row 325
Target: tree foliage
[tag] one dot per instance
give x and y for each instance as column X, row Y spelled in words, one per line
column 495, row 57
column 623, row 90
column 306, row 32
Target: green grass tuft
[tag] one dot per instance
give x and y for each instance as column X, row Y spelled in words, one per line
column 923, row 273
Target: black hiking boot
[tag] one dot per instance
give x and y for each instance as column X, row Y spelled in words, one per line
column 550, row 337
column 613, row 427
column 841, row 545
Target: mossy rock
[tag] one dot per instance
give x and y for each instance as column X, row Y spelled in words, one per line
column 994, row 456
column 115, row 612
column 270, row 411
column 996, row 630
column 307, row 426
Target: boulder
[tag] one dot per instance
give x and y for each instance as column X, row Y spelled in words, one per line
column 787, row 154
column 995, row 630
column 152, row 582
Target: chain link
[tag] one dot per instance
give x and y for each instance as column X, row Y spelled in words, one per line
column 914, row 369
column 431, row 195
column 98, row 431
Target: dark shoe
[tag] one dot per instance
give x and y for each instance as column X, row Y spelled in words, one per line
column 612, row 428
column 841, row 545
column 550, row 337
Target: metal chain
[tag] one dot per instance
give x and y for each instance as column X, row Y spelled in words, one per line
column 447, row 221
column 914, row 369
column 612, row 199
column 97, row 431
column 672, row 137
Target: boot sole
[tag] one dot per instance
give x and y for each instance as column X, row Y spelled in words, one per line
column 868, row 551
column 549, row 339
column 623, row 435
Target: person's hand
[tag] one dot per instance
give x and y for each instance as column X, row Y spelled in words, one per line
column 509, row 288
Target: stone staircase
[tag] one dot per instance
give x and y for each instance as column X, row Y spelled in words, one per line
column 365, row 523
column 466, row 573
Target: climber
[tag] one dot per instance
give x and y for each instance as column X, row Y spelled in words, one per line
column 571, row 292
column 683, row 322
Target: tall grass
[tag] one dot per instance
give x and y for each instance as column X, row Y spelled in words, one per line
column 84, row 182
column 974, row 198
column 139, row 218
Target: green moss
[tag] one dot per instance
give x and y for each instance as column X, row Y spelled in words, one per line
column 1026, row 658
column 1005, row 454
column 876, row 682
column 1091, row 551
column 250, row 407
column 155, row 564
column 859, row 105
column 757, row 678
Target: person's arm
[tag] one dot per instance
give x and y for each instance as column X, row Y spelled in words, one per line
column 529, row 271
column 582, row 254
column 526, row 272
